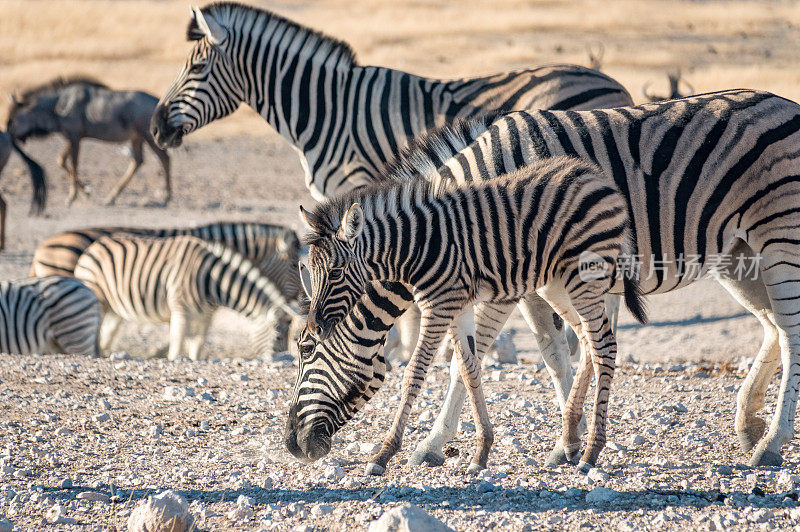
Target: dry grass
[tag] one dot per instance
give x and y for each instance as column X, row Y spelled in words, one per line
column 140, row 43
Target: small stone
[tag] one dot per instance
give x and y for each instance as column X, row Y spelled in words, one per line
column 601, row 495
column 484, row 486
column 155, row 430
column 597, row 475
column 496, row 376
column 178, row 393
column 244, row 500
column 760, row 516
column 333, row 473
column 321, row 509
column 66, row 483
column 55, row 516
column 119, row 356
column 241, row 513
column 202, row 381
column 637, row 439
column 94, row 496
column 787, row 480
column 204, row 425
column 268, row 483
column 369, row 448
column 104, row 404
column 101, row 418
column 240, row 377
column 353, row 448
column 63, row 431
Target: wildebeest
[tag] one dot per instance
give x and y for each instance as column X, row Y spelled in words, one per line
column 7, row 145
column 81, row 107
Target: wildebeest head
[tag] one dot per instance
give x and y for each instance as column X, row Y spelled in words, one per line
column 208, row 86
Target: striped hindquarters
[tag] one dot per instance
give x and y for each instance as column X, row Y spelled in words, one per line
column 48, row 315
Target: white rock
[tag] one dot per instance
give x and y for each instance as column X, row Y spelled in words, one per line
column 601, row 494
column 55, row 516
column 119, row 356
column 244, row 500
column 241, row 513
column 155, row 430
column 369, row 448
column 240, row 377
column 333, row 473
column 178, row 393
column 597, row 475
column 353, row 448
column 104, row 404
column 63, row 431
column 165, row 512
column 788, row 480
column 93, row 496
column 407, row 518
column 427, row 416
column 321, row 509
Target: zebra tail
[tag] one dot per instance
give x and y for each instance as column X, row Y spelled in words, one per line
column 634, row 299
column 37, row 180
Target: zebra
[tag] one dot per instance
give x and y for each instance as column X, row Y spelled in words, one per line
column 706, row 177
column 273, row 247
column 180, row 280
column 48, row 315
column 345, row 120
column 488, row 242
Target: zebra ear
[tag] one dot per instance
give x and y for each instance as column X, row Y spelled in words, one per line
column 307, row 218
column 352, row 223
column 305, row 278
column 210, row 27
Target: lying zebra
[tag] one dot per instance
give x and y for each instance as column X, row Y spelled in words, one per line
column 181, row 281
column 489, row 243
column 48, row 315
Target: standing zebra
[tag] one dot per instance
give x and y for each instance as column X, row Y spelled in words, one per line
column 490, row 242
column 345, row 120
column 48, row 315
column 707, row 179
column 181, row 281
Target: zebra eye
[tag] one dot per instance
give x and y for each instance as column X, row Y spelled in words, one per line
column 335, row 274
column 306, row 348
column 197, row 68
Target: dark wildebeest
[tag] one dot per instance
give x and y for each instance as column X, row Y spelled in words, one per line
column 80, row 108
column 7, row 145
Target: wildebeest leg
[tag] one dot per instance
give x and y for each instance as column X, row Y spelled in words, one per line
column 136, row 162
column 164, row 158
column 73, row 148
column 2, row 223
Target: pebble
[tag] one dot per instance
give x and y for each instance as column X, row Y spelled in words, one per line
column 178, row 393
column 321, row 509
column 104, row 404
column 484, row 486
column 601, row 494
column 596, row 474
column 240, row 377
column 92, row 496
column 119, row 356
column 155, row 430
column 637, row 439
column 333, row 473
column 101, row 418
column 63, row 431
column 66, row 483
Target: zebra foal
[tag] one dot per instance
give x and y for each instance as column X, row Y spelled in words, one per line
column 492, row 242
column 48, row 315
column 181, row 281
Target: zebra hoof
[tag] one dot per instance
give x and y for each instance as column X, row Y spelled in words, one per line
column 474, row 469
column 431, row 458
column 765, row 458
column 751, row 435
column 584, row 467
column 374, row 470
column 557, row 457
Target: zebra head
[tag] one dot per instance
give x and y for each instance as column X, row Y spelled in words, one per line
column 207, row 88
column 333, row 272
column 335, row 379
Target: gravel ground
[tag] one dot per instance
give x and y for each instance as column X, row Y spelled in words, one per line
column 123, row 429
column 128, row 428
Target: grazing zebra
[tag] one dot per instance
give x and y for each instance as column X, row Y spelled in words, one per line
column 80, row 107
column 344, row 119
column 490, row 242
column 48, row 315
column 707, row 179
column 273, row 248
column 181, row 280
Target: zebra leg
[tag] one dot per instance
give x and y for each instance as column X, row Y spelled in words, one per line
column 2, row 223
column 433, row 328
column 548, row 329
column 752, row 294
column 489, row 320
column 178, row 325
column 407, row 326
column 137, row 157
column 199, row 331
column 109, row 330
column 463, row 333
column 780, row 276
column 612, row 309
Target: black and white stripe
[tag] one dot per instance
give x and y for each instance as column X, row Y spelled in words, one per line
column 490, row 242
column 708, row 176
column 181, row 281
column 48, row 315
column 346, row 120
column 273, row 248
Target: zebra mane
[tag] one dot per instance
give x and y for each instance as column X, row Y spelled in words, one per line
column 231, row 14
column 55, row 84
column 428, row 152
